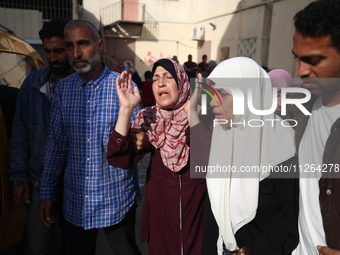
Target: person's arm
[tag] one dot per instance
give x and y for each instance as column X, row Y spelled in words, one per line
column 44, row 211
column 187, row 69
column 200, row 135
column 22, row 195
column 128, row 101
column 200, row 68
column 19, row 147
column 55, row 156
column 119, row 152
column 191, row 106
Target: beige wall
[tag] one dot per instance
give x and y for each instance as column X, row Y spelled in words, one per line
column 91, row 10
column 270, row 22
column 27, row 23
column 281, row 36
column 173, row 39
column 24, row 23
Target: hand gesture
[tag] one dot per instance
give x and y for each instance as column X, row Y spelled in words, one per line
column 191, row 105
column 127, row 98
column 140, row 140
column 195, row 97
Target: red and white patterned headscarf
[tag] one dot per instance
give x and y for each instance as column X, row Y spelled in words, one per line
column 166, row 128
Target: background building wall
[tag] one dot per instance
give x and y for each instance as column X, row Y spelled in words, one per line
column 281, row 35
column 260, row 29
column 25, row 17
column 25, row 23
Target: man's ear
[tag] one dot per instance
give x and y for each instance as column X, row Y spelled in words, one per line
column 100, row 45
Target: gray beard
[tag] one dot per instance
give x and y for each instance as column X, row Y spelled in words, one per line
column 92, row 63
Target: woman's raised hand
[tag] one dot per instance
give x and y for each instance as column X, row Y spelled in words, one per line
column 191, row 106
column 127, row 98
column 195, row 97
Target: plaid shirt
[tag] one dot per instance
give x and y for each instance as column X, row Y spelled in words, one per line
column 83, row 114
column 53, row 81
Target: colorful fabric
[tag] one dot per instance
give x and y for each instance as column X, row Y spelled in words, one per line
column 242, row 251
column 96, row 195
column 166, row 128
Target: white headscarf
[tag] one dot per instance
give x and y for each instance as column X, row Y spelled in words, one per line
column 234, row 201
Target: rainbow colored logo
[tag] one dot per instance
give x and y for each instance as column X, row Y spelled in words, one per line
column 210, row 94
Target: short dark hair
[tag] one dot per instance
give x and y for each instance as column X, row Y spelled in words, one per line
column 53, row 28
column 320, row 18
column 204, row 56
column 147, row 75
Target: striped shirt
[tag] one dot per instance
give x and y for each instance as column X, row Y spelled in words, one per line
column 83, row 115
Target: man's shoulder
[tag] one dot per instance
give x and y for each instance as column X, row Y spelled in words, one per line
column 66, row 84
column 70, row 79
column 112, row 74
column 38, row 73
column 36, row 78
column 201, row 65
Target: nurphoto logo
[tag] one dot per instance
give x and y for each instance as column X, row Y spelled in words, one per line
column 243, row 99
column 238, row 100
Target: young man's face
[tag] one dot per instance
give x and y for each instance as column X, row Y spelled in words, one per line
column 56, row 54
column 317, row 59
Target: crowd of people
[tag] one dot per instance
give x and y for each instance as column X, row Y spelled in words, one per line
column 79, row 130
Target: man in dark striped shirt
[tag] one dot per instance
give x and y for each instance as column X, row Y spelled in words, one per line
column 29, row 135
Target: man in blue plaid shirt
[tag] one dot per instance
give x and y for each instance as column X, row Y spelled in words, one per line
column 84, row 111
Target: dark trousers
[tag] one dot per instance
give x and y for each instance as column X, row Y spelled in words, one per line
column 121, row 237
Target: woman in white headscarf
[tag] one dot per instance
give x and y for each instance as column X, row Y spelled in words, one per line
column 255, row 213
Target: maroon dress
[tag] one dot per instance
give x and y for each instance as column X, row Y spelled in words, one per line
column 172, row 219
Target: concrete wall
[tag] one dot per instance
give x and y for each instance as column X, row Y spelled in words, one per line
column 24, row 23
column 260, row 29
column 281, row 35
column 268, row 23
column 27, row 23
